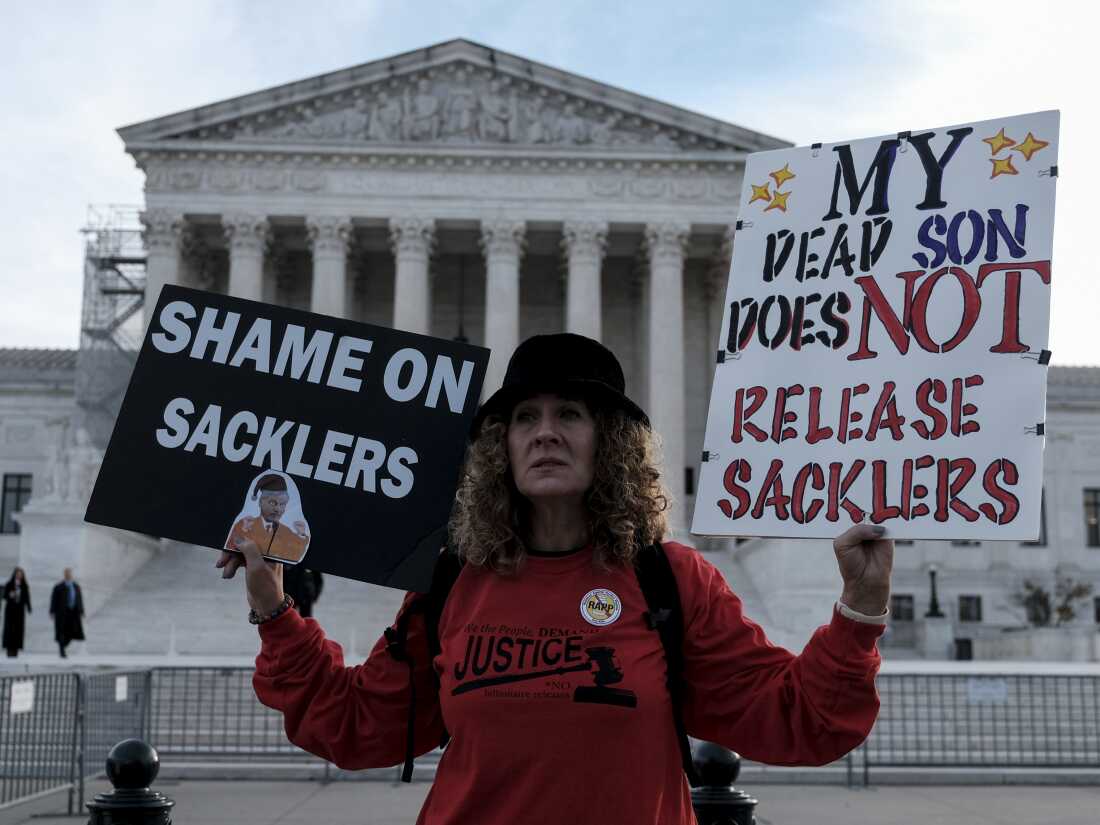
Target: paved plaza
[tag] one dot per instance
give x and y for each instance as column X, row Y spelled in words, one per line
column 378, row 803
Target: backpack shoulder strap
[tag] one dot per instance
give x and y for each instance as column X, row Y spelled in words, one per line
column 430, row 605
column 447, row 570
column 666, row 616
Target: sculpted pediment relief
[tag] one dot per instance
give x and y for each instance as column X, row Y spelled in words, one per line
column 456, row 104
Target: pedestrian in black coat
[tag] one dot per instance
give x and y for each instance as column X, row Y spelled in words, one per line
column 67, row 608
column 17, row 604
column 304, row 586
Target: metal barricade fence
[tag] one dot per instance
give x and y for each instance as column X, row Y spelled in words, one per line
column 113, row 706
column 56, row 728
column 925, row 721
column 38, row 734
column 212, row 714
column 987, row 720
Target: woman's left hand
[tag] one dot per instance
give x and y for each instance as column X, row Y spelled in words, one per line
column 865, row 558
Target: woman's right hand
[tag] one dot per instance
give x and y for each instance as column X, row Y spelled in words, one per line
column 263, row 579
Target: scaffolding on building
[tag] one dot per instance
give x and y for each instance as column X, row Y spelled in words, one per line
column 111, row 315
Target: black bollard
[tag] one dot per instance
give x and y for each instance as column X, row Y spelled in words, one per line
column 132, row 765
column 717, row 802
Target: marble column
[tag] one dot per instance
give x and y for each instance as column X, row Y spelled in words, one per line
column 717, row 279
column 584, row 243
column 329, row 237
column 502, row 241
column 163, row 233
column 247, row 236
column 665, row 245
column 412, row 240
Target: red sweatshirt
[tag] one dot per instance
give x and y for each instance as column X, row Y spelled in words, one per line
column 554, row 693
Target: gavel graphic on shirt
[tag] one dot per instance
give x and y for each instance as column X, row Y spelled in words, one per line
column 606, row 673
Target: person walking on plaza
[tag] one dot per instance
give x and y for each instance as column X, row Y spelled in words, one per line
column 17, row 604
column 67, row 610
column 552, row 672
column 304, row 586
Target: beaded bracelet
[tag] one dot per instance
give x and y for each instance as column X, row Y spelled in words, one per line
column 284, row 606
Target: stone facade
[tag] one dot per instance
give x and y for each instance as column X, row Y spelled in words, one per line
column 463, row 192
column 42, row 436
column 36, row 404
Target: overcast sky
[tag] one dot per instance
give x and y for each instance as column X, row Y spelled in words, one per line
column 72, row 72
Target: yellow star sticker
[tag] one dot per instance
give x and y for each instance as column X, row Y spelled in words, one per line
column 779, row 201
column 998, row 141
column 1002, row 167
column 781, row 176
column 1031, row 145
column 760, row 193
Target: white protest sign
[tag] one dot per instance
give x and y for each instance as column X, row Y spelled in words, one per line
column 883, row 351
column 22, row 697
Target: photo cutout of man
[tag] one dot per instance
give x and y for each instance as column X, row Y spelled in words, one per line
column 272, row 517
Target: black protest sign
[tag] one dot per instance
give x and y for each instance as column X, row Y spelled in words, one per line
column 328, row 442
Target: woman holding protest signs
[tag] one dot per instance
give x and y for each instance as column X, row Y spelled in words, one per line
column 576, row 646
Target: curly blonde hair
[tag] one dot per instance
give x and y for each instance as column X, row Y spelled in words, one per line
column 626, row 503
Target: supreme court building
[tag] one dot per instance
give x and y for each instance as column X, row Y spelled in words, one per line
column 463, row 192
column 468, row 193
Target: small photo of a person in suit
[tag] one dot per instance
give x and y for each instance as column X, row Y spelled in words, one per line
column 272, row 517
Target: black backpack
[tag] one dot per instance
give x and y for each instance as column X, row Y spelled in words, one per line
column 665, row 615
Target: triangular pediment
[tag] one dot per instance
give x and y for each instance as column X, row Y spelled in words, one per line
column 456, row 94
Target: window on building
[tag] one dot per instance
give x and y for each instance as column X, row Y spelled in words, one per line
column 970, row 608
column 1092, row 517
column 901, row 607
column 17, row 489
column 1096, row 609
column 1042, row 542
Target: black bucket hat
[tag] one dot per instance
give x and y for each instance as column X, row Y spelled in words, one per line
column 565, row 363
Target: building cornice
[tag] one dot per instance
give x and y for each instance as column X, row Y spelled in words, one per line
column 346, row 86
column 417, row 155
column 1073, row 388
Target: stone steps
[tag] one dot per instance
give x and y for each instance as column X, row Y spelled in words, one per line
column 178, row 603
column 753, row 605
